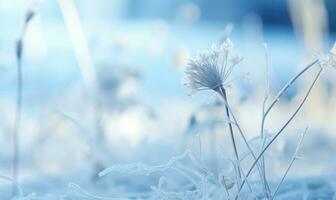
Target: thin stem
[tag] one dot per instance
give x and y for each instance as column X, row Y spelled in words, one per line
column 242, row 135
column 265, row 111
column 295, row 157
column 283, row 178
column 276, row 99
column 223, row 93
column 17, row 118
column 263, row 140
column 285, row 88
column 267, row 74
column 280, row 131
column 262, row 135
column 16, row 151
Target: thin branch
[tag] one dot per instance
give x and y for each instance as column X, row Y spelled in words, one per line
column 285, row 88
column 282, row 128
column 18, row 107
column 17, row 118
column 223, row 94
column 262, row 135
column 235, row 122
column 295, row 157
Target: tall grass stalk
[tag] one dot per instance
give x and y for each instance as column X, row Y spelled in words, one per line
column 288, row 121
column 18, row 108
column 222, row 91
column 294, row 158
column 242, row 134
column 211, row 70
column 262, row 128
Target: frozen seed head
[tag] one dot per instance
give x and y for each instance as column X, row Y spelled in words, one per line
column 211, row 69
column 328, row 60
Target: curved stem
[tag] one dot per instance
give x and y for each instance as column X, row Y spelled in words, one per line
column 282, row 128
column 285, row 88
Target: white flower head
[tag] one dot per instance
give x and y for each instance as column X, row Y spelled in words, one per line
column 211, row 69
column 328, row 60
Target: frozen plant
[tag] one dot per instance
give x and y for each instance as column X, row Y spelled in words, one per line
column 210, row 70
column 202, row 185
column 19, row 48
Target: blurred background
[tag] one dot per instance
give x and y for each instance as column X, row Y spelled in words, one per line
column 103, row 85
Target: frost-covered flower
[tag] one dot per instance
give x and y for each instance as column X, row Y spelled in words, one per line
column 211, row 69
column 328, row 60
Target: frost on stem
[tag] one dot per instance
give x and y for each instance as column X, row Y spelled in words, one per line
column 296, row 156
column 211, row 69
column 328, row 60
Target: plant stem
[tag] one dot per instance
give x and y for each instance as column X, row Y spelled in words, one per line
column 285, row 88
column 294, row 158
column 266, row 112
column 16, row 146
column 17, row 118
column 262, row 134
column 283, row 178
column 243, row 136
column 223, row 93
column 285, row 125
column 263, row 140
